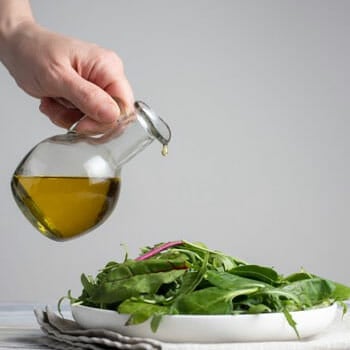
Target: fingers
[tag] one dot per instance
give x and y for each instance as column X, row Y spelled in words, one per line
column 64, row 102
column 58, row 113
column 108, row 73
column 89, row 126
column 65, row 117
column 96, row 86
column 89, row 98
column 122, row 93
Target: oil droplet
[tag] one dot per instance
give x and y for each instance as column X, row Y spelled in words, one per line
column 165, row 150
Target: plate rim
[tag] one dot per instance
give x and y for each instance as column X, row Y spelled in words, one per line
column 266, row 323
column 297, row 312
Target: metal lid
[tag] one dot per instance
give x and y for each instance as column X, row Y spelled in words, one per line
column 155, row 125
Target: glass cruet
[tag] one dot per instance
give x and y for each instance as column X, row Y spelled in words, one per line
column 69, row 184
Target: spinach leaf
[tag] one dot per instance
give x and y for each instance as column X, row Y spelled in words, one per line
column 341, row 291
column 210, row 301
column 119, row 290
column 312, row 291
column 226, row 280
column 259, row 273
column 131, row 267
column 298, row 276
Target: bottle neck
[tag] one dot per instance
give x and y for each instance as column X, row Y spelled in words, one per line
column 131, row 141
column 145, row 126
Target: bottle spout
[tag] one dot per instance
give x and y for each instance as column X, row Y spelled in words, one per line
column 153, row 124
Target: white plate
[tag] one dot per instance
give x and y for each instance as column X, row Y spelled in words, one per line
column 209, row 329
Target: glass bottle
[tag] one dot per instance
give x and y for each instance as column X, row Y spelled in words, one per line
column 69, row 184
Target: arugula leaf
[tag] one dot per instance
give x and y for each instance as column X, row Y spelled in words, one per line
column 140, row 311
column 291, row 322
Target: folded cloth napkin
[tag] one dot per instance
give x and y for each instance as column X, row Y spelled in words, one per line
column 68, row 335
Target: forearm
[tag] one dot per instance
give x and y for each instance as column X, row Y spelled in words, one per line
column 12, row 14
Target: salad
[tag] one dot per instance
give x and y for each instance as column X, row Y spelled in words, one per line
column 181, row 277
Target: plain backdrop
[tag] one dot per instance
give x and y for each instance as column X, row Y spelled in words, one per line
column 257, row 96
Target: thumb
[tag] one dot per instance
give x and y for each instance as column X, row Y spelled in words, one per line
column 89, row 98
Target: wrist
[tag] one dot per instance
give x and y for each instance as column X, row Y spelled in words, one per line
column 13, row 14
column 9, row 26
column 10, row 36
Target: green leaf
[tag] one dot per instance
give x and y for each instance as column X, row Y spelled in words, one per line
column 132, row 268
column 298, row 276
column 202, row 249
column 341, row 292
column 210, row 301
column 226, row 280
column 280, row 293
column 69, row 297
column 155, row 322
column 192, row 278
column 141, row 311
column 344, row 306
column 291, row 321
column 256, row 272
column 223, row 263
column 117, row 291
column 88, row 284
column 258, row 309
column 311, row 291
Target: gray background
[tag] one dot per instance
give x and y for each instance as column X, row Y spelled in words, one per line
column 257, row 94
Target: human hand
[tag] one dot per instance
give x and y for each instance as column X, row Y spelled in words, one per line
column 72, row 78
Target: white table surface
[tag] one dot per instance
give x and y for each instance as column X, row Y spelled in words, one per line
column 19, row 330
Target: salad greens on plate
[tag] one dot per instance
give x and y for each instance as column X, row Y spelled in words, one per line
column 188, row 278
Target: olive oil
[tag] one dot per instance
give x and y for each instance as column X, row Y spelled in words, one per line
column 164, row 150
column 64, row 207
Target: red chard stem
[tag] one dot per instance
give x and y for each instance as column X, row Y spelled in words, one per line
column 158, row 249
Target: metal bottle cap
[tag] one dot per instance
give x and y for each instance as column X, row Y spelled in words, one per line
column 154, row 125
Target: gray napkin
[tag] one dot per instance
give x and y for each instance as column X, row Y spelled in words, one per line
column 68, row 335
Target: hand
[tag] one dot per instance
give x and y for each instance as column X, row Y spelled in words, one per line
column 72, row 78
